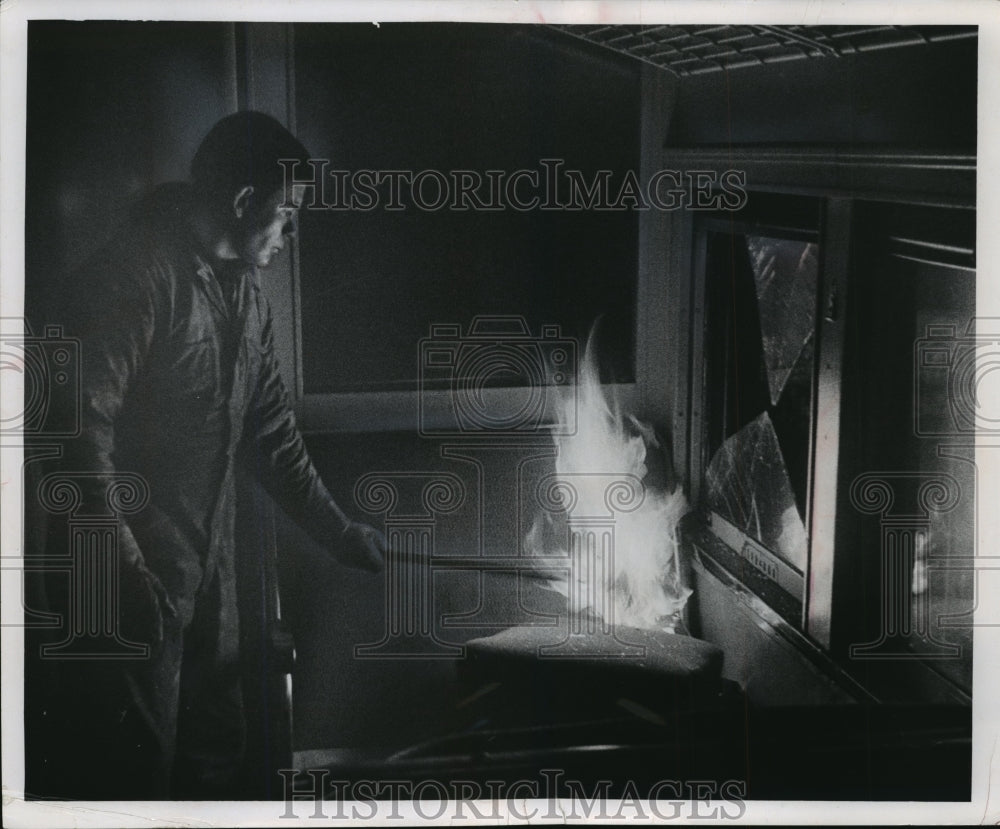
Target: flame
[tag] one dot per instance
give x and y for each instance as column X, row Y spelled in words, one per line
column 630, row 575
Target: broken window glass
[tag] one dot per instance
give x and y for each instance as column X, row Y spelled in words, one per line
column 784, row 273
column 761, row 355
column 747, row 484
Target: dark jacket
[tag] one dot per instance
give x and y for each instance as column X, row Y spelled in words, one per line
column 178, row 375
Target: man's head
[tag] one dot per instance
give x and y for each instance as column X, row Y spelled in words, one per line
column 239, row 182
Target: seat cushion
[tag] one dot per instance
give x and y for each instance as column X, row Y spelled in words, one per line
column 650, row 653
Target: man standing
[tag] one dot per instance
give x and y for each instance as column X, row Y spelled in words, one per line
column 179, row 384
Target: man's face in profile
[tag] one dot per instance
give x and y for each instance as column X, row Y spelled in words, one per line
column 263, row 231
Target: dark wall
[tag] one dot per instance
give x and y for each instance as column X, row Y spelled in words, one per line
column 447, row 97
column 910, row 97
column 113, row 108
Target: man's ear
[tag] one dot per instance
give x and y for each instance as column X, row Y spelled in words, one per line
column 242, row 201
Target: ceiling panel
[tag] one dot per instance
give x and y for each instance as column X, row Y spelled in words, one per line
column 694, row 50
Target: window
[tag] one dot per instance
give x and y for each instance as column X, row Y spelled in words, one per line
column 833, row 464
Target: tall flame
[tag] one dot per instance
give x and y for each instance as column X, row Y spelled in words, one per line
column 635, row 578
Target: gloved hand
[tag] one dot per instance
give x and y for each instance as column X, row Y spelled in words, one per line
column 143, row 605
column 361, row 546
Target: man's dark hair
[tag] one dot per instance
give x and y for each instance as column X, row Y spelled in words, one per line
column 241, row 149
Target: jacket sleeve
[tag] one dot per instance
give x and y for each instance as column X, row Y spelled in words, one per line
column 278, row 453
column 114, row 316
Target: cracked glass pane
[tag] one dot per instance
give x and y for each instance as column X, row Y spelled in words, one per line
column 748, row 485
column 784, row 274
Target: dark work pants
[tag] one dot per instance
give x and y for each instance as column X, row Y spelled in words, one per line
column 167, row 727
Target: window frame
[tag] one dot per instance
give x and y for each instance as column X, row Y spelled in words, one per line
column 770, row 226
column 386, row 411
column 821, row 636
